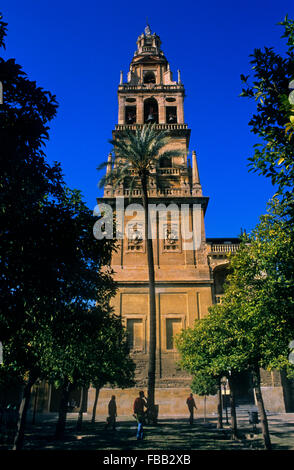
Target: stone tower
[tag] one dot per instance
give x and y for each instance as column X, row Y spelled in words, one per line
column 182, row 272
column 189, row 268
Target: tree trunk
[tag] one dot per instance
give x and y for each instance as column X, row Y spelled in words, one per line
column 219, row 407
column 261, row 410
column 60, row 426
column 204, row 414
column 233, row 408
column 80, row 416
column 152, row 304
column 23, row 409
column 97, row 390
column 35, row 405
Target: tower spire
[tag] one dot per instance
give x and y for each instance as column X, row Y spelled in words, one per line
column 147, row 29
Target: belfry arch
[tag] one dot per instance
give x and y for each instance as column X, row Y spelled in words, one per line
column 150, row 111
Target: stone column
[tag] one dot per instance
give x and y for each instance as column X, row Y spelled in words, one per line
column 180, row 110
column 161, row 110
column 121, row 110
column 140, row 110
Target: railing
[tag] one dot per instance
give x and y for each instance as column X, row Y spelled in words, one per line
column 154, row 192
column 126, row 86
column 149, row 49
column 121, row 127
column 169, row 171
column 224, row 248
column 160, row 171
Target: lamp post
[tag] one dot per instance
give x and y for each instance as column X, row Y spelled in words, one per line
column 224, row 384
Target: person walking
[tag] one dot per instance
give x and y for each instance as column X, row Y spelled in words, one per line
column 112, row 413
column 139, row 413
column 191, row 405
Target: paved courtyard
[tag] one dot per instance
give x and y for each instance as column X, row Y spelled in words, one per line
column 169, row 434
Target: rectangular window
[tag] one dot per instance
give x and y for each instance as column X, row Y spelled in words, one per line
column 173, row 327
column 135, row 333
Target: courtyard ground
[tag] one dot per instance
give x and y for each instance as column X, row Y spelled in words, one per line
column 169, row 434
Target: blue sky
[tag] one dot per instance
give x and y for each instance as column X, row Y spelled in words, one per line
column 77, row 49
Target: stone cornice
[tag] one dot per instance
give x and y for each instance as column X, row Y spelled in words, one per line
column 164, row 284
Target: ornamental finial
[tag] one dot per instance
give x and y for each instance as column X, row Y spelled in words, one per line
column 147, row 29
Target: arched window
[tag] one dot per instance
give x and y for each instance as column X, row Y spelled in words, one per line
column 149, row 77
column 150, row 111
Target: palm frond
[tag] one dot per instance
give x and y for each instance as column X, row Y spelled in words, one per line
column 158, row 181
column 101, row 166
column 102, row 182
column 131, row 187
column 138, row 150
column 170, row 154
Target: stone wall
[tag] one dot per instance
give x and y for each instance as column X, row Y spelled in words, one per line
column 171, row 402
column 273, row 399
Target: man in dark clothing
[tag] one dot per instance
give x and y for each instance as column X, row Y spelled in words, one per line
column 139, row 405
column 112, row 413
column 191, row 405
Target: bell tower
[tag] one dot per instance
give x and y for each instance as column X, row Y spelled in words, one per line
column 149, row 94
column 141, row 99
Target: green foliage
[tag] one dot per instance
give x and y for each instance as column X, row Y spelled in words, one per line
column 115, row 366
column 85, row 346
column 289, row 32
column 204, row 385
column 269, row 87
column 3, row 29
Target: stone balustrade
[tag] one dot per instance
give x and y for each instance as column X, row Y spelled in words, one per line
column 155, row 192
column 153, row 86
column 169, row 171
column 160, row 171
column 224, row 248
column 121, row 127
